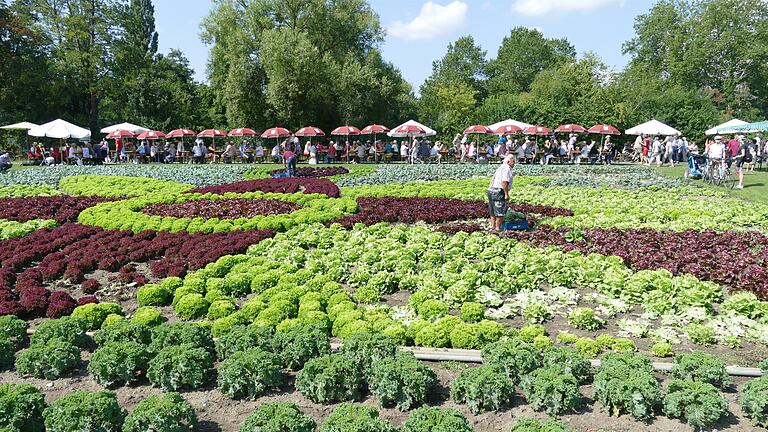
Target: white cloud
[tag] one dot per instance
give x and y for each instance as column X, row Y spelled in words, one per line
column 544, row 7
column 433, row 20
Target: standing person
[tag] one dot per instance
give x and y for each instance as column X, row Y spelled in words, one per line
column 608, row 150
column 289, row 159
column 5, row 162
column 330, row 156
column 743, row 157
column 312, row 148
column 498, row 192
column 656, row 150
column 472, row 151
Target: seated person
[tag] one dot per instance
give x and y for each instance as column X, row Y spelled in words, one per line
column 5, row 162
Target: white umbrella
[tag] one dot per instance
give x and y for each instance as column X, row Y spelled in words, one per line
column 726, row 127
column 428, row 131
column 19, row 126
column 653, row 127
column 60, row 129
column 124, row 126
column 509, row 122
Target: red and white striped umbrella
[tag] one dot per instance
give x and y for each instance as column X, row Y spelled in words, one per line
column 346, row 130
column 212, row 133
column 241, row 132
column 410, row 130
column 121, row 134
column 180, row 133
column 604, row 129
column 478, row 129
column 309, row 131
column 374, row 129
column 276, row 132
column 572, row 128
column 151, row 135
column 509, row 129
column 537, row 130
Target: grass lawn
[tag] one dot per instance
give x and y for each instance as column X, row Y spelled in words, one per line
column 755, row 183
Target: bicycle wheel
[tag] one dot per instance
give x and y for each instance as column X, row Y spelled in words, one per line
column 729, row 179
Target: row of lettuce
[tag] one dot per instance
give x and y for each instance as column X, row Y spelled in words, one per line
column 253, row 361
column 458, row 288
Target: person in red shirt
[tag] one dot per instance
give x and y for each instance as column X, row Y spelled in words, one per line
column 289, row 158
column 733, row 147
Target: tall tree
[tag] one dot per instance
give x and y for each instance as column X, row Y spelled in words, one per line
column 522, row 55
column 80, row 33
column 464, row 62
column 136, row 47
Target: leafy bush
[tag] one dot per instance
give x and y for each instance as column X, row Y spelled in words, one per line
column 702, row 367
column 119, row 363
column 625, row 383
column 244, row 338
column 123, row 331
column 7, row 353
column 180, row 366
column 21, row 408
column 154, row 295
column 368, row 348
column 432, row 309
column 484, row 388
column 249, row 374
column 191, row 306
column 567, row 338
column 401, row 380
column 515, row 357
column 537, row 313
column 552, row 390
column 148, row 316
column 433, row 419
column 700, row 334
column 535, row 425
column 302, row 343
column 15, row 329
column 49, row 361
column 167, row 335
column 278, row 417
column 221, row 309
column 753, row 399
column 331, row 378
column 85, row 411
column 699, row 404
column 67, row 329
column 662, row 349
column 111, row 319
column 569, row 361
column 529, row 332
column 94, row 314
column 349, row 417
column 588, row 347
column 585, row 319
column 472, row 312
column 168, row 412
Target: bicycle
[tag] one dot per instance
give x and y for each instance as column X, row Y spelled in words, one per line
column 719, row 174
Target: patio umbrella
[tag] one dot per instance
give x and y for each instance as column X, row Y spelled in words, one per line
column 410, row 130
column 124, row 126
column 212, row 133
column 309, row 131
column 346, row 131
column 421, row 129
column 374, row 130
column 151, row 135
column 60, row 129
column 478, row 130
column 19, row 126
column 508, row 129
column 537, row 130
column 653, row 127
column 604, row 129
column 276, row 133
column 570, row 128
column 120, row 134
column 242, row 132
column 180, row 133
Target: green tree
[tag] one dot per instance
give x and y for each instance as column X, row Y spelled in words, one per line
column 448, row 107
column 522, row 55
column 464, row 62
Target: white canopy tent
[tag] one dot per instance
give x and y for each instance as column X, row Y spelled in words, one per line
column 726, row 127
column 509, row 122
column 653, row 127
column 126, row 127
column 19, row 126
column 60, row 129
column 429, row 131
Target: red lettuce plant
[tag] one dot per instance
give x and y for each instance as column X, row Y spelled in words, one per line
column 60, row 208
column 277, row 185
column 315, row 172
column 222, row 209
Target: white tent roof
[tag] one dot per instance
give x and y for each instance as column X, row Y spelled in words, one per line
column 126, row 127
column 60, row 129
column 725, row 127
column 20, row 126
column 430, row 131
column 653, row 127
column 509, row 122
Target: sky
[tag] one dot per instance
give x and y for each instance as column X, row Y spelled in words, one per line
column 418, row 31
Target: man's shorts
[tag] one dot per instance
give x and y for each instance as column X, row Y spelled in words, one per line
column 497, row 205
